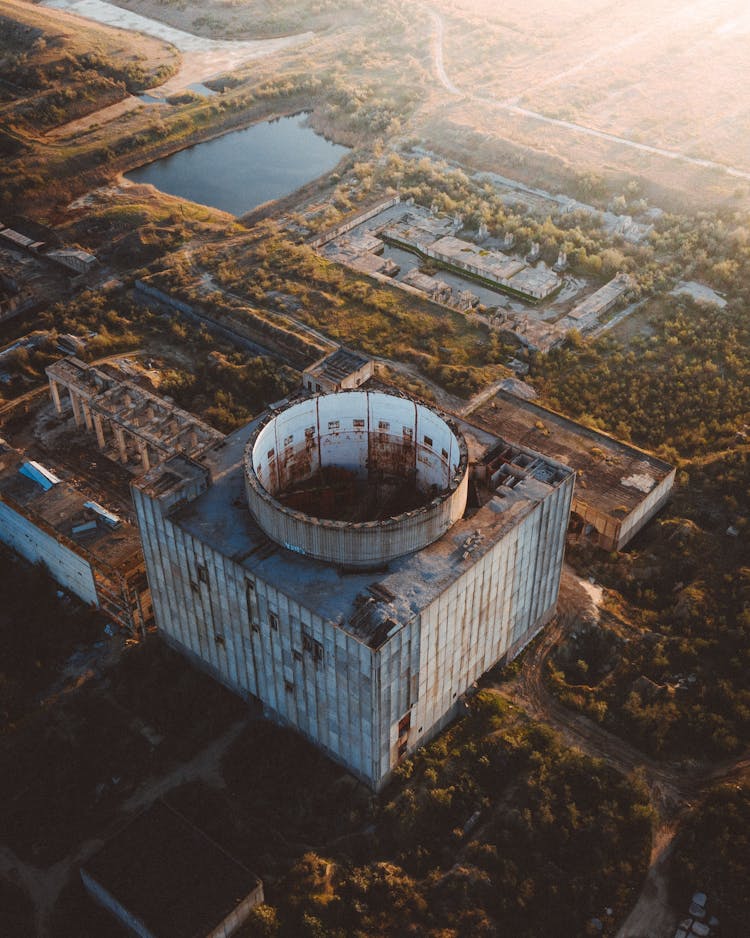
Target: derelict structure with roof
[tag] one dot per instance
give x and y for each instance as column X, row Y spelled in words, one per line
column 355, row 561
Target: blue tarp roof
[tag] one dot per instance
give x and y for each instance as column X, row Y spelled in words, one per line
column 37, row 473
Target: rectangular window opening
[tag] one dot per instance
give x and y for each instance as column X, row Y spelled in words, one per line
column 404, row 724
column 273, row 621
column 312, row 646
column 428, row 441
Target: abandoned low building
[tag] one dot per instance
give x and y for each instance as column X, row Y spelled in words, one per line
column 355, row 561
column 87, row 549
column 163, row 878
column 340, row 371
column 619, row 487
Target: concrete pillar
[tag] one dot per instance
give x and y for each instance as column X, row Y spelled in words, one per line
column 87, row 416
column 121, row 444
column 75, row 405
column 143, row 449
column 99, row 431
column 55, row 392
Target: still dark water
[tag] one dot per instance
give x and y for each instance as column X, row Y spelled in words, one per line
column 245, row 168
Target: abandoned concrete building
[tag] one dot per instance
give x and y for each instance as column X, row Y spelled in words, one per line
column 87, row 549
column 342, row 370
column 355, row 561
column 619, row 487
column 139, row 427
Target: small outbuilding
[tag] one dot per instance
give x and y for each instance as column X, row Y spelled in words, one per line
column 342, row 370
column 163, row 878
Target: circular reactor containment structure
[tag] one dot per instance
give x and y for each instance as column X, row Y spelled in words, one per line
column 356, row 478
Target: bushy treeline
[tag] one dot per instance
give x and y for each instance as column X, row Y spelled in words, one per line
column 494, row 829
column 711, row 854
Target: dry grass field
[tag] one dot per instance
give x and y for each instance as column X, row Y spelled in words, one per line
column 28, row 31
column 666, row 74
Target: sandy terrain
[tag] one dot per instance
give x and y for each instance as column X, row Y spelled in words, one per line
column 666, row 75
column 201, row 58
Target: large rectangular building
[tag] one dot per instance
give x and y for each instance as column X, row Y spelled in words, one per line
column 362, row 631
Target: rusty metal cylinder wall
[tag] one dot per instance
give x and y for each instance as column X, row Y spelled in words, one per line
column 358, row 431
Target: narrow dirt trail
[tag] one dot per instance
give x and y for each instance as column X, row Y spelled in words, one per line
column 512, row 107
column 674, row 788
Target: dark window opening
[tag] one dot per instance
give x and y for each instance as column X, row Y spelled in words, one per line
column 402, row 747
column 219, row 638
column 404, row 724
column 252, row 605
column 297, row 655
column 428, row 441
column 312, row 647
column 202, row 573
column 194, row 587
column 273, row 621
column 289, row 687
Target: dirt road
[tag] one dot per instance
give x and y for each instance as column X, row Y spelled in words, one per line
column 513, row 108
column 674, row 788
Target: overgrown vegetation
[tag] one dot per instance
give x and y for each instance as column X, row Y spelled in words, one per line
column 683, row 390
column 495, row 828
column 677, row 686
column 38, row 632
column 228, row 390
column 271, row 272
column 711, row 854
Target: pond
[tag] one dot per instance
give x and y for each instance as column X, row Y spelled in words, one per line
column 243, row 169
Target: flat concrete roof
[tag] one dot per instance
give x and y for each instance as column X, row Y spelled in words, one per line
column 178, row 882
column 338, row 365
column 221, row 519
column 61, row 508
column 612, row 474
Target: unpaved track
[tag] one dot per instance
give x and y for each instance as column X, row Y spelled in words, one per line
column 673, row 787
column 511, row 107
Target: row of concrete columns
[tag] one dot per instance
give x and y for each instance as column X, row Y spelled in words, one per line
column 95, row 423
